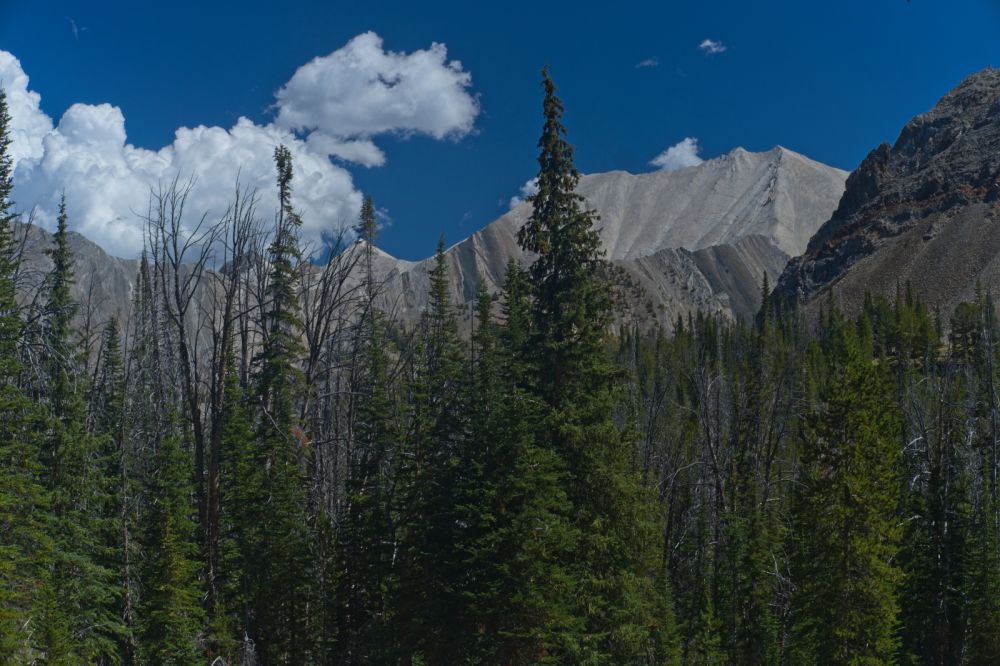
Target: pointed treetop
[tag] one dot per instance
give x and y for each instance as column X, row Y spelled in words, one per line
column 367, row 228
column 283, row 162
column 7, row 215
column 439, row 279
column 556, row 159
column 283, row 165
column 6, row 161
column 60, row 307
column 556, row 199
column 61, row 246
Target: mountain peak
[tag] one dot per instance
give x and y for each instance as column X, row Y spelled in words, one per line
column 777, row 194
column 752, row 201
column 775, row 155
column 970, row 110
column 943, row 167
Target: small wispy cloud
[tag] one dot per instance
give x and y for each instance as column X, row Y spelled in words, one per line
column 74, row 28
column 383, row 218
column 682, row 154
column 529, row 188
column 712, row 47
column 648, row 62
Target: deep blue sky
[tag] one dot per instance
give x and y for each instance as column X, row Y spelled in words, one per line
column 827, row 79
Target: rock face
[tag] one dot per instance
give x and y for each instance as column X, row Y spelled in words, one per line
column 690, row 238
column 721, row 279
column 923, row 211
column 103, row 285
column 700, row 238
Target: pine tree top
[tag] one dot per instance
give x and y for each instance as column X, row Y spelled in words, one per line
column 367, row 227
column 556, row 201
column 6, row 163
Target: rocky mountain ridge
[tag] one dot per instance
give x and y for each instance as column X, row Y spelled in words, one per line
column 699, row 238
column 689, row 238
column 922, row 211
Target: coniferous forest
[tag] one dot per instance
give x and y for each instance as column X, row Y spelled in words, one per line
column 260, row 466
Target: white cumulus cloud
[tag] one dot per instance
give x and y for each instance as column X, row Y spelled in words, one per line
column 678, row 156
column 529, row 188
column 712, row 47
column 28, row 122
column 107, row 180
column 362, row 90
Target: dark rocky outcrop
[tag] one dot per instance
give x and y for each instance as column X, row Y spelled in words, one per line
column 923, row 211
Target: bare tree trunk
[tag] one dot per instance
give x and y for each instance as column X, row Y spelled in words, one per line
column 182, row 256
column 240, row 227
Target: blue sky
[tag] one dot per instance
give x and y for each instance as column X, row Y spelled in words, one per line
column 830, row 80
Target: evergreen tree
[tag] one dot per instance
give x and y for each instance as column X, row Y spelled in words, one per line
column 79, row 479
column 478, row 494
column 172, row 617
column 616, row 608
column 149, row 418
column 704, row 641
column 24, row 543
column 278, row 559
column 428, row 605
column 367, row 231
column 239, row 518
column 982, row 645
column 365, row 533
column 107, row 410
column 511, row 497
column 847, row 533
column 107, row 399
column 749, row 525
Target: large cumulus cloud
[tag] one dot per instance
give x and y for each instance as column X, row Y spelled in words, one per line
column 28, row 123
column 332, row 106
column 362, row 90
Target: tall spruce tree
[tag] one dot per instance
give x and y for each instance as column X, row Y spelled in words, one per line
column 172, row 618
column 846, row 530
column 364, row 536
column 616, row 608
column 982, row 640
column 107, row 412
column 279, row 557
column 428, row 606
column 511, row 497
column 239, row 519
column 477, row 495
column 24, row 542
column 80, row 482
column 749, row 524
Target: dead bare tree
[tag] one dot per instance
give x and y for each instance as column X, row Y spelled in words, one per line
column 239, row 229
column 182, row 255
